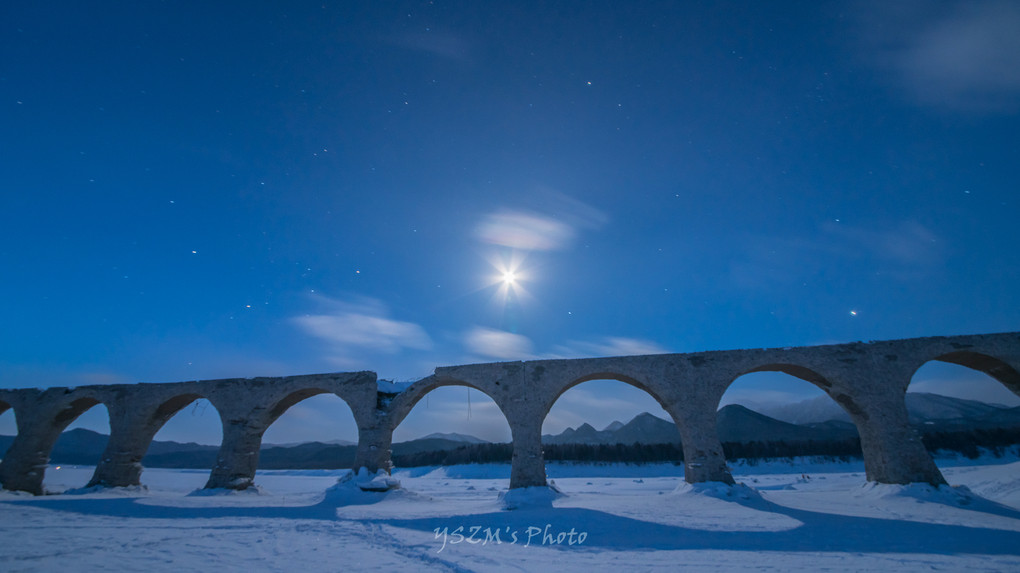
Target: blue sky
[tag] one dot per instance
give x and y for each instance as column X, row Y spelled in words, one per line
column 194, row 191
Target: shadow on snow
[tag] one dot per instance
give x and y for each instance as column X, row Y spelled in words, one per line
column 819, row 531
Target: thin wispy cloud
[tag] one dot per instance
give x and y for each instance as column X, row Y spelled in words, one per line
column 360, row 325
column 963, row 56
column 906, row 250
column 608, row 346
column 492, row 344
column 524, row 230
column 906, row 243
column 440, row 44
column 552, row 223
column 495, row 344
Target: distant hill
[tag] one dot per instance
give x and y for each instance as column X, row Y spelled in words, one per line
column 84, row 447
column 613, row 426
column 818, row 419
column 292, row 444
column 735, row 424
column 454, row 437
column 921, row 407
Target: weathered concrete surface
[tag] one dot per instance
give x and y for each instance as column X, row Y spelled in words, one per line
column 868, row 380
column 247, row 408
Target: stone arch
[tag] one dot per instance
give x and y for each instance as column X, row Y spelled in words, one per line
column 250, row 406
column 845, row 401
column 69, row 413
column 988, row 380
column 404, row 402
column 169, row 408
column 134, row 423
column 600, row 384
column 403, row 406
column 845, row 429
column 986, row 363
column 870, row 386
column 282, row 406
column 42, row 416
column 93, row 419
column 45, row 435
column 4, row 407
column 605, row 375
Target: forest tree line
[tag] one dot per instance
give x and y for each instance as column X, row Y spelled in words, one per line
column 967, row 443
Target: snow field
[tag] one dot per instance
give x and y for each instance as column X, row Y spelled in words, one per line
column 627, row 518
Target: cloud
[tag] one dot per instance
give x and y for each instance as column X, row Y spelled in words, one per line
column 609, row 346
column 527, row 231
column 906, row 251
column 361, row 325
column 439, row 44
column 45, row 376
column 964, row 56
column 552, row 224
column 907, row 243
column 498, row 344
column 492, row 344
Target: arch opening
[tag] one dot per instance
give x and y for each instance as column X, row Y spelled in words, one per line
column 796, row 371
column 610, row 419
column 188, row 437
column 80, row 445
column 963, row 408
column 989, row 365
column 187, row 419
column 8, row 427
column 782, row 413
column 452, row 423
column 311, row 429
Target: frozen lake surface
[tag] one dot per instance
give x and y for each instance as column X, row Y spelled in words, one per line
column 803, row 517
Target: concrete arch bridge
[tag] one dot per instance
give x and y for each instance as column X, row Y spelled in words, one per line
column 868, row 380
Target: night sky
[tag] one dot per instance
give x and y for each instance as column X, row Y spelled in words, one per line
column 197, row 190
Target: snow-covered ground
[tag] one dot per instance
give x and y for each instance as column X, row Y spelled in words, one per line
column 801, row 517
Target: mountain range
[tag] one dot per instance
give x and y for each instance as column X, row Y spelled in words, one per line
column 921, row 407
column 735, row 424
column 817, row 420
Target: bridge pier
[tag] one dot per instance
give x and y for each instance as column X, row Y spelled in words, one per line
column 704, row 459
column 41, row 418
column 375, row 448
column 527, row 465
column 130, row 436
column 898, row 457
column 238, row 457
column 872, row 389
column 24, row 464
column 893, row 451
column 121, row 464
